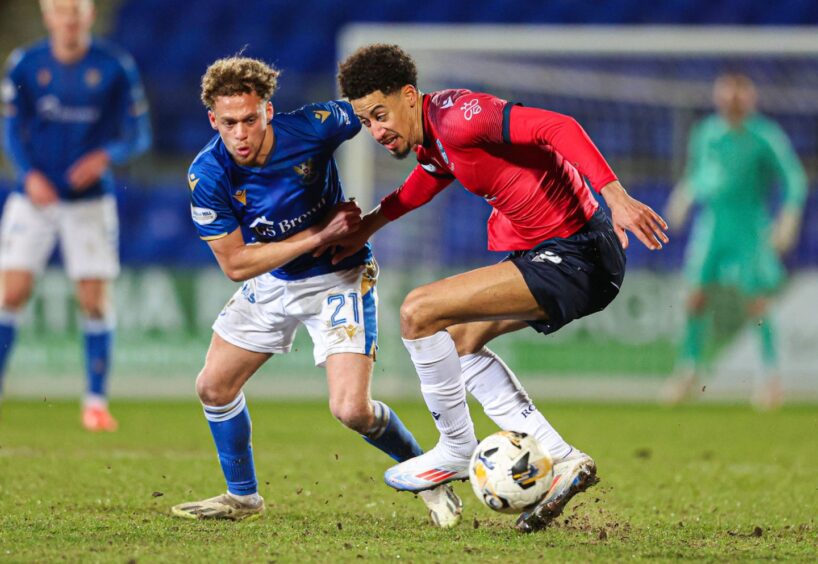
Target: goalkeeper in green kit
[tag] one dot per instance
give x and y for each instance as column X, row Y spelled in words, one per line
column 736, row 159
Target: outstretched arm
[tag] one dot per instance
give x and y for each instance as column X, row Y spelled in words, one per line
column 630, row 214
column 532, row 125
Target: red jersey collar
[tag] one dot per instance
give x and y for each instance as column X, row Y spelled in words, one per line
column 425, row 123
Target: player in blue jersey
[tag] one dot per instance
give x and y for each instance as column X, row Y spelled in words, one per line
column 265, row 194
column 73, row 106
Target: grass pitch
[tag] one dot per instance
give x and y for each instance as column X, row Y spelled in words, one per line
column 704, row 482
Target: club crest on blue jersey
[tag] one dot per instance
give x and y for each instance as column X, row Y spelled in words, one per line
column 92, row 77
column 307, row 172
column 321, row 115
column 43, row 77
column 241, row 196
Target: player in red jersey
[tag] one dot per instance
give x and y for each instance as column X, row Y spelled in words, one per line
column 566, row 258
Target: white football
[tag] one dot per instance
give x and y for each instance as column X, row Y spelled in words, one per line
column 509, row 471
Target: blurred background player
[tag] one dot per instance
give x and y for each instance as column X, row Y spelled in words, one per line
column 74, row 106
column 567, row 260
column 265, row 193
column 736, row 158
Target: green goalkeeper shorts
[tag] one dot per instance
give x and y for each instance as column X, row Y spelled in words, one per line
column 744, row 262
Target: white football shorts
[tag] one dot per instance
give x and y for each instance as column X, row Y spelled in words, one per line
column 339, row 310
column 88, row 231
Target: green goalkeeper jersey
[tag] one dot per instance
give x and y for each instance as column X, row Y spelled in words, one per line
column 732, row 175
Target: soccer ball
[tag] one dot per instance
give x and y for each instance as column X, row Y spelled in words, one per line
column 510, row 472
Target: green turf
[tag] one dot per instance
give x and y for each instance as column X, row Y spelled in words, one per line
column 705, row 482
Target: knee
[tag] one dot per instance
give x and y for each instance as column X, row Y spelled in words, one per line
column 757, row 308
column 93, row 308
column 214, row 390
column 417, row 315
column 355, row 415
column 696, row 302
column 15, row 299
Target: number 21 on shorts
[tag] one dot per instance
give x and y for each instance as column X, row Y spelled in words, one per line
column 340, row 300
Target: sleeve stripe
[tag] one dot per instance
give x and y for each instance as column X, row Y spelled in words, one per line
column 437, row 174
column 213, row 237
column 507, row 121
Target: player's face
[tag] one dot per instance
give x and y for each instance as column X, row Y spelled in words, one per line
column 394, row 121
column 68, row 21
column 243, row 122
column 735, row 97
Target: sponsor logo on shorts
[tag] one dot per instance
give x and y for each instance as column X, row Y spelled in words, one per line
column 203, row 216
column 547, row 256
column 248, row 293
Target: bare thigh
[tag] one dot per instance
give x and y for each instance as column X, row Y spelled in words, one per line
column 492, row 293
column 17, row 287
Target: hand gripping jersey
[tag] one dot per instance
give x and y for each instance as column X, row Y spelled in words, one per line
column 292, row 191
column 527, row 163
column 56, row 113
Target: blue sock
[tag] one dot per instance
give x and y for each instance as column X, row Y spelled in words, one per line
column 390, row 434
column 99, row 337
column 8, row 331
column 230, row 426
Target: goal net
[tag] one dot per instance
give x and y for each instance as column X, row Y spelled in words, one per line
column 637, row 91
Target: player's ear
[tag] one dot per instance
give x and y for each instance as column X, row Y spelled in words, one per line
column 212, row 117
column 270, row 111
column 410, row 94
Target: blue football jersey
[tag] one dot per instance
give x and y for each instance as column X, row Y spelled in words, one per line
column 56, row 113
column 293, row 190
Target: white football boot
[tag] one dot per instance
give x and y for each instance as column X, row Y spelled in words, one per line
column 573, row 474
column 223, row 506
column 445, row 507
column 424, row 472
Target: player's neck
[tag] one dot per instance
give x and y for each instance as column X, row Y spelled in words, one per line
column 419, row 119
column 72, row 52
column 267, row 146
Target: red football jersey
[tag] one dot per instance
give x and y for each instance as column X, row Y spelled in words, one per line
column 527, row 163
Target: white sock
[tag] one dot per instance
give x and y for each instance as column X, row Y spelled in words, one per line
column 442, row 386
column 505, row 401
column 249, row 499
column 94, row 400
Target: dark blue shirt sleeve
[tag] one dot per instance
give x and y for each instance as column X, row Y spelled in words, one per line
column 17, row 114
column 135, row 129
column 209, row 203
column 334, row 121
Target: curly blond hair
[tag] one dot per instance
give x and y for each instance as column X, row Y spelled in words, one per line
column 238, row 75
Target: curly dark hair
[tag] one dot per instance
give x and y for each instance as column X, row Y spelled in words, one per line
column 379, row 66
column 238, row 75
